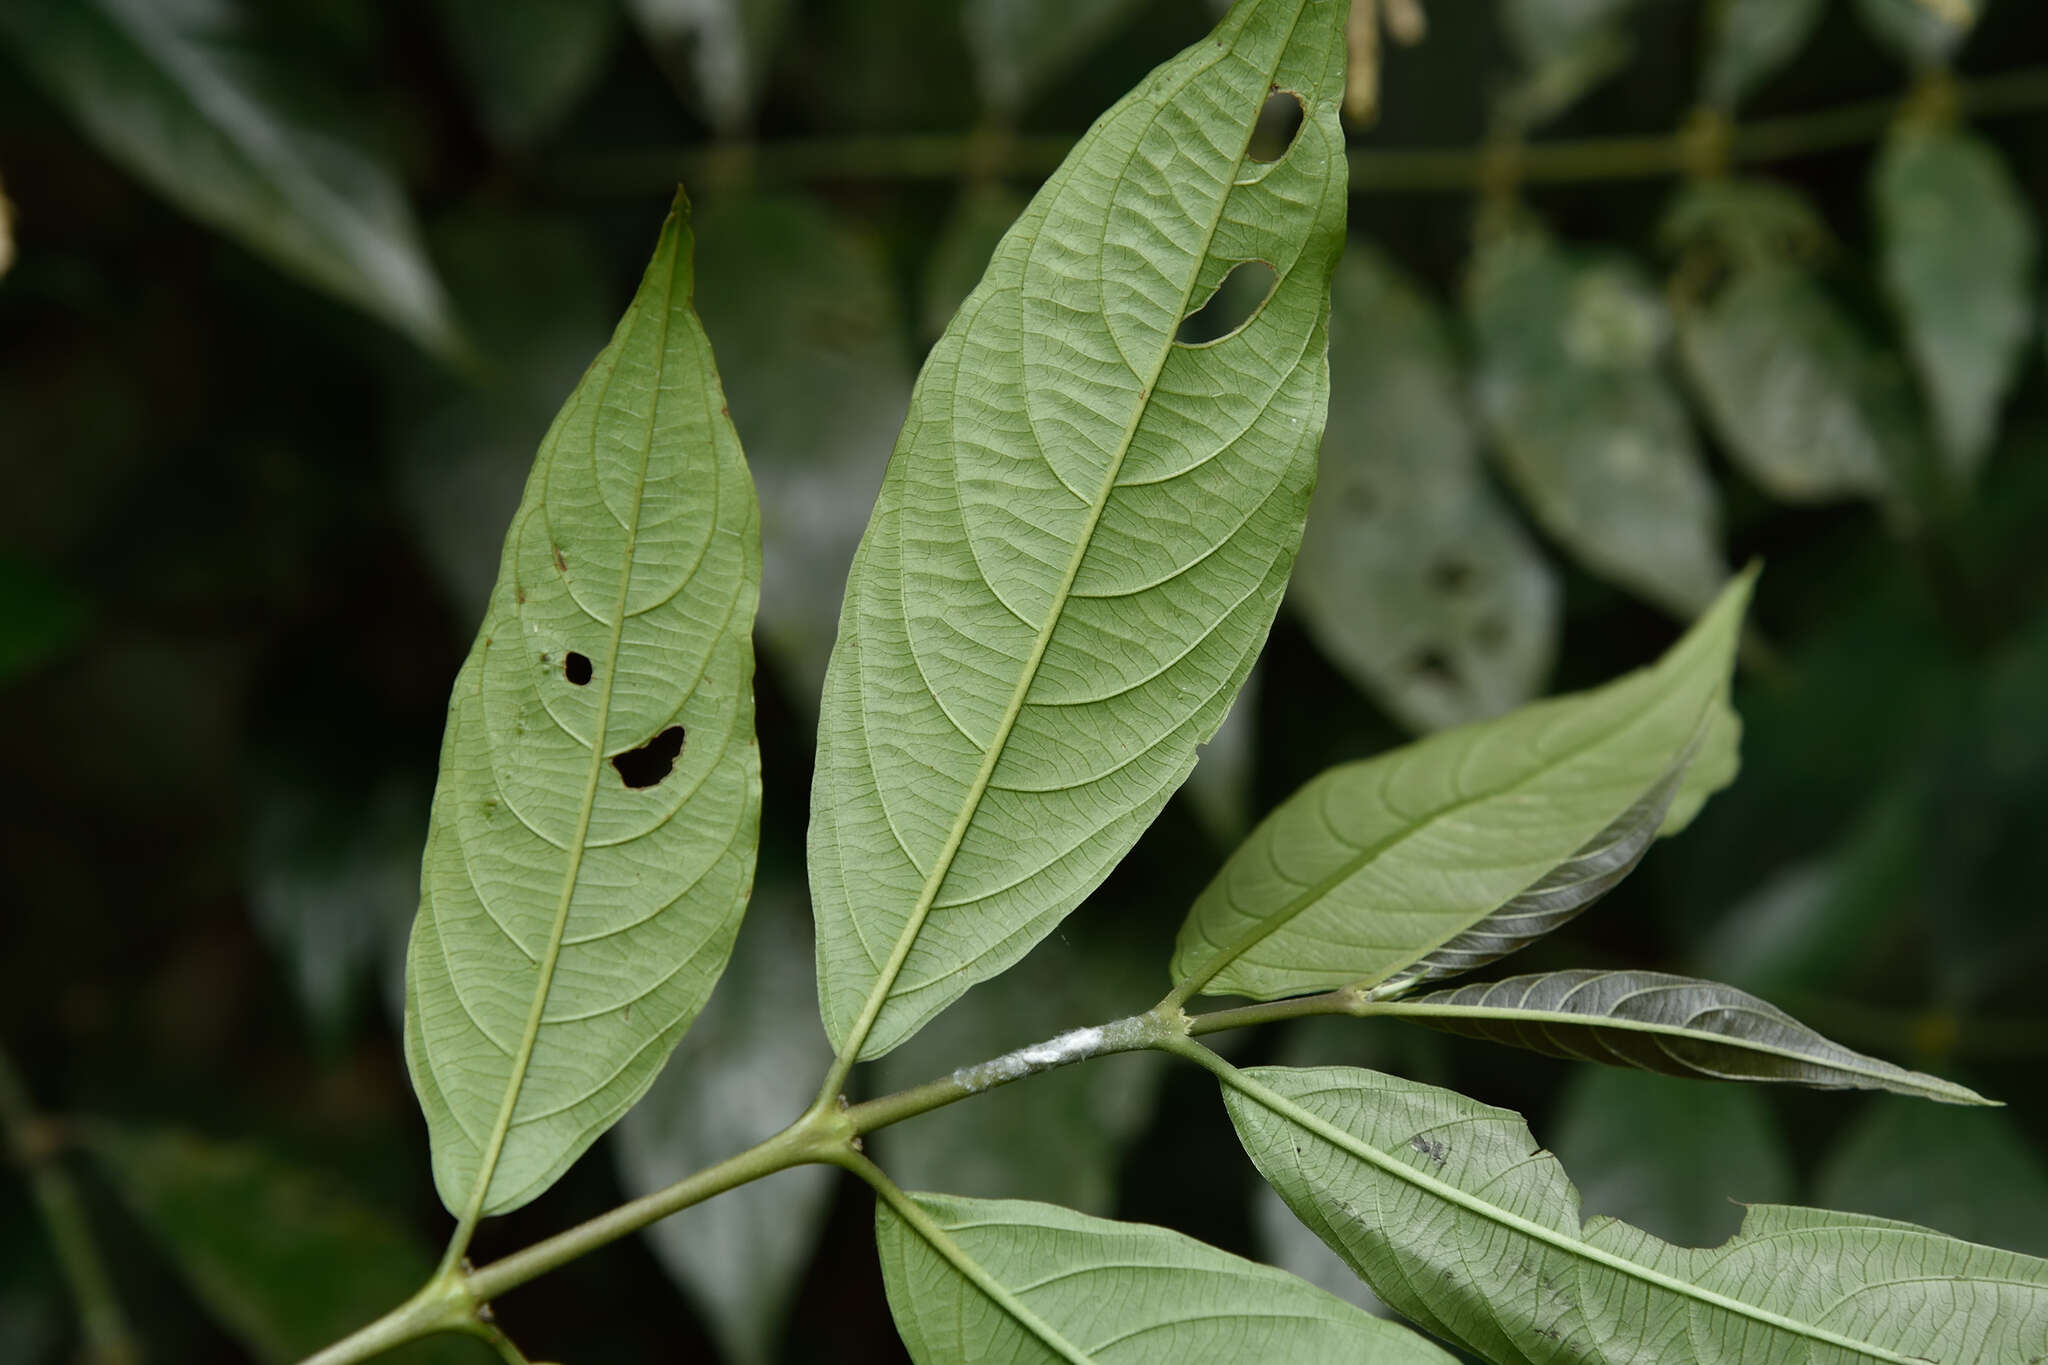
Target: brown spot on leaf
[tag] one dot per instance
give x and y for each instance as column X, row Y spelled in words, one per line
column 561, row 564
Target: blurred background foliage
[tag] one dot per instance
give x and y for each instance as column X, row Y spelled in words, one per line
column 1638, row 290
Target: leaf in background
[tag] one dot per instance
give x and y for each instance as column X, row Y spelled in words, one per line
column 593, row 835
column 1413, row 578
column 1924, row 33
column 40, row 617
column 1971, row 1174
column 1019, row 45
column 1673, row 1157
column 808, row 328
column 1083, row 1289
column 1567, row 47
column 722, row 47
column 1371, row 866
column 969, row 238
column 1063, row 1137
column 1083, row 533
column 1586, row 427
column 748, row 1064
column 1673, row 1025
column 1452, row 1213
column 528, row 62
column 1219, row 790
column 1958, row 263
column 170, row 90
column 1751, row 40
column 285, row 1260
column 1799, row 398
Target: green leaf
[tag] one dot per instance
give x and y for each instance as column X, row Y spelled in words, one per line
column 1455, row 1216
column 593, row 835
column 40, row 617
column 1019, row 45
column 807, row 325
column 1063, row 1137
column 1586, row 427
column 749, row 1062
column 1970, row 1173
column 1414, row 579
column 1670, row 1156
column 1568, row 47
column 1653, row 1021
column 1714, row 766
column 1376, row 865
column 721, row 47
column 287, row 1261
column 168, row 89
column 528, row 62
column 1035, row 1282
column 1923, row 32
column 1083, row 534
column 1751, row 41
column 1958, row 263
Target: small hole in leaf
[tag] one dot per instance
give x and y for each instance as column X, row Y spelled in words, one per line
column 647, row 765
column 1451, row 575
column 1236, row 300
column 576, row 668
column 1279, row 122
column 1433, row 666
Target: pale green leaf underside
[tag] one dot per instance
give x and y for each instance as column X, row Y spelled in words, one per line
column 1676, row 1025
column 1375, row 865
column 170, row 90
column 1083, row 534
column 1080, row 1289
column 1451, row 1211
column 561, row 909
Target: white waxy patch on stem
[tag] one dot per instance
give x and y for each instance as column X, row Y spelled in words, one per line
column 1072, row 1046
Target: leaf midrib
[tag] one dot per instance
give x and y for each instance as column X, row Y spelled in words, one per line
column 885, row 982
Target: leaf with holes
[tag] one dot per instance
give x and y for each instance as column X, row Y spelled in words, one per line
column 1673, row 1025
column 1084, row 531
column 1466, row 842
column 1586, row 427
column 1005, row 1282
column 1413, row 578
column 1456, row 1217
column 592, row 839
column 171, row 91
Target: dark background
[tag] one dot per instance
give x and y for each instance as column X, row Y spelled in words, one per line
column 244, row 531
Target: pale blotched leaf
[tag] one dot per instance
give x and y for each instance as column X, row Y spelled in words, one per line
column 1958, row 262
column 749, row 1063
column 1019, row 44
column 1413, row 577
column 1084, row 531
column 1042, row 1283
column 808, row 329
column 593, row 834
column 1925, row 33
column 1969, row 1173
column 527, row 62
column 171, row 90
column 1374, row 865
column 287, row 1261
column 1586, row 426
column 1674, row 1025
column 1751, row 40
column 720, row 47
column 1674, row 1158
column 1454, row 1214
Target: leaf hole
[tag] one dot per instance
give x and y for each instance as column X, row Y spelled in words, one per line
column 576, row 668
column 1237, row 301
column 1434, row 667
column 1280, row 120
column 653, row 761
column 1452, row 576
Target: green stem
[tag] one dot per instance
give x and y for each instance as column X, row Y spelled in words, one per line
column 108, row 1340
column 1346, row 1000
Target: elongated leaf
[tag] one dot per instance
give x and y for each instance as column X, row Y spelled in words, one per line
column 1083, row 534
column 1958, row 261
column 748, row 1064
column 1970, row 1173
column 1586, row 427
column 1671, row 1024
column 287, row 1261
column 593, row 834
column 1459, row 1220
column 1018, row 44
column 1375, row 865
column 1049, row 1284
column 1670, row 1156
column 1413, row 578
column 527, row 62
column 1751, row 40
column 166, row 89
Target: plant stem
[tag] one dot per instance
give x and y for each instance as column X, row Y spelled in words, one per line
column 1346, row 1000
column 108, row 1340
